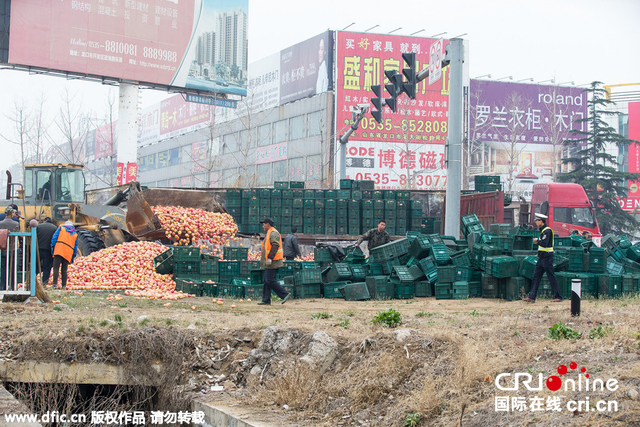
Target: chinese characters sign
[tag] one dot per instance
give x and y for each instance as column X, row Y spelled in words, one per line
column 153, row 41
column 533, row 113
column 632, row 202
column 271, row 153
column 362, row 60
column 178, row 115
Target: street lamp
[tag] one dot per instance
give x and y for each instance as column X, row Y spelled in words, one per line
column 419, row 31
column 353, row 23
column 377, row 25
column 568, row 83
column 436, row 35
column 484, row 75
column 530, row 79
column 505, row 77
column 545, row 81
column 399, row 28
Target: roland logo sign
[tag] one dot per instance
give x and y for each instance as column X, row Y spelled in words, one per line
column 548, row 98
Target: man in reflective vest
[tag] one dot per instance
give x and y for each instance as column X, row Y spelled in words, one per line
column 545, row 261
column 64, row 247
column 271, row 259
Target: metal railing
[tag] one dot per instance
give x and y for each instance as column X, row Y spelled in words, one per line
column 21, row 258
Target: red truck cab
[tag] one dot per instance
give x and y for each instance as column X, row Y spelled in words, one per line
column 569, row 208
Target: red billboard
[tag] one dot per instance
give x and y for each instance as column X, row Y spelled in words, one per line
column 163, row 42
column 632, row 202
column 407, row 148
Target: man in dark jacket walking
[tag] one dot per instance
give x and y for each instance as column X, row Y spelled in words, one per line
column 545, row 261
column 7, row 223
column 290, row 245
column 45, row 232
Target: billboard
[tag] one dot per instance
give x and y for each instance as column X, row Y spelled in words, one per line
column 306, row 68
column 407, row 148
column 632, row 201
column 171, row 117
column 516, row 130
column 193, row 44
column 300, row 71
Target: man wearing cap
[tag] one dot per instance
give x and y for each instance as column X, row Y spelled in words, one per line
column 9, row 225
column 64, row 246
column 545, row 261
column 271, row 259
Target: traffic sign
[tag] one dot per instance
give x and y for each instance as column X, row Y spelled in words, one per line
column 210, row 100
column 435, row 62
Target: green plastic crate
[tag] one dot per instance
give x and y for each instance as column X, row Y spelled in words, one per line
column 403, row 290
column 423, row 288
column 164, row 266
column 228, row 290
column 440, row 254
column 402, row 273
column 447, row 274
column 358, row 272
column 355, row 292
column 338, row 272
column 322, row 255
column 597, row 260
column 307, row 277
column 379, row 287
column 193, row 287
column 609, row 285
column 504, row 266
column 464, row 274
column 460, row 290
column 461, row 258
column 186, row 253
column 443, row 290
column 514, row 287
column 187, row 269
column 420, row 246
column 309, row 290
column 490, row 286
column 229, row 268
column 332, row 290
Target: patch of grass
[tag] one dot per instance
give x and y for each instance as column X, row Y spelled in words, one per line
column 344, row 323
column 81, row 329
column 424, row 314
column 144, row 322
column 474, row 313
column 615, row 359
column 349, row 313
column 389, row 318
column 170, row 322
column 516, row 333
column 122, row 304
column 561, row 331
column 411, row 420
column 104, row 323
column 118, row 318
column 57, row 308
column 321, row 315
column 599, row 332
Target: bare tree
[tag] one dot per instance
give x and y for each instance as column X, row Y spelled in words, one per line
column 22, row 126
column 38, row 133
column 513, row 127
column 68, row 124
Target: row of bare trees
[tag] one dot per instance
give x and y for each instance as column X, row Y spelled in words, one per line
column 43, row 136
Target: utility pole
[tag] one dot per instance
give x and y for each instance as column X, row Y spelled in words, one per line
column 358, row 113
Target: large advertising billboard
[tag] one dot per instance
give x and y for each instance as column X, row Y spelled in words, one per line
column 407, row 148
column 193, row 44
column 632, row 201
column 517, row 131
column 297, row 72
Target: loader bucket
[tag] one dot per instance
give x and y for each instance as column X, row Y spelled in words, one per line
column 141, row 221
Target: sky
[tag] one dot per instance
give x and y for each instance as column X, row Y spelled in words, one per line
column 567, row 40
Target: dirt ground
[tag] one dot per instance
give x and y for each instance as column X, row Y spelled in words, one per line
column 437, row 368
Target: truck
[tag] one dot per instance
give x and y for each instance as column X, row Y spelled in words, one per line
column 566, row 204
column 58, row 191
